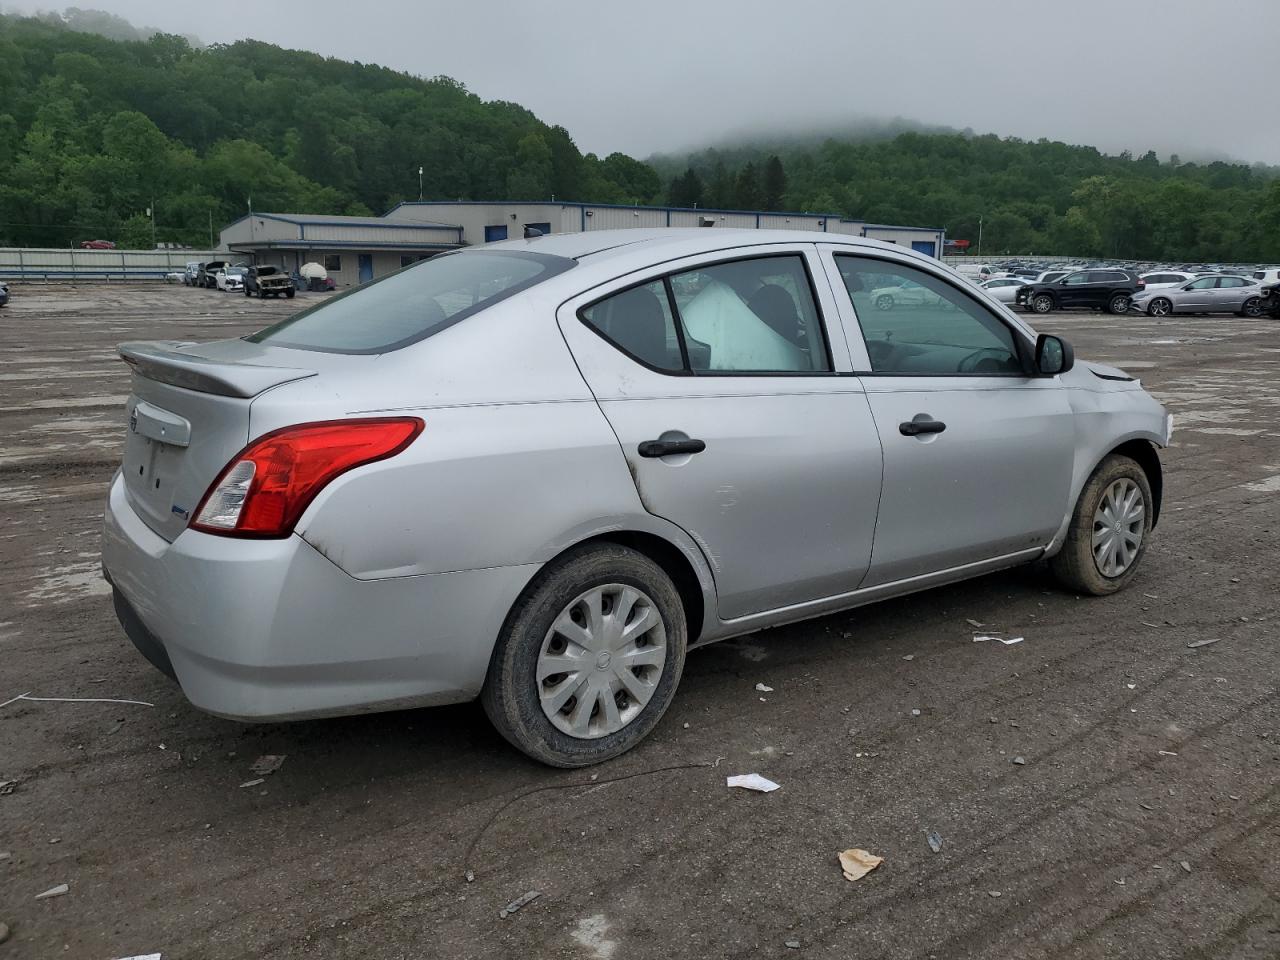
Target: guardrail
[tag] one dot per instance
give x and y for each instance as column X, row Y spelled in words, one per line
column 61, row 264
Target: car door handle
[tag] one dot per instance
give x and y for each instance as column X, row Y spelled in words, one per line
column 921, row 423
column 668, row 448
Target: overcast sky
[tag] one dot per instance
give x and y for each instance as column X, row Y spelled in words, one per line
column 643, row 76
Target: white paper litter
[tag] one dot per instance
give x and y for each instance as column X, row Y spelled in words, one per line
column 57, row 891
column 763, row 688
column 751, row 781
column 1009, row 643
column 143, row 956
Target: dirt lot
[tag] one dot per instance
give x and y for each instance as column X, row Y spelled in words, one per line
column 1143, row 823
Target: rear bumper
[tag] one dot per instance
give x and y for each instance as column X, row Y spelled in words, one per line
column 272, row 630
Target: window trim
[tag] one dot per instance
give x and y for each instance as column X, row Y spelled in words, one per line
column 1021, row 343
column 687, row 370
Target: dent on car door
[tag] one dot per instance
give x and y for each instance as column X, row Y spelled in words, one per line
column 977, row 454
column 725, row 393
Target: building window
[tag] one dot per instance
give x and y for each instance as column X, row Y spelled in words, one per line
column 333, row 262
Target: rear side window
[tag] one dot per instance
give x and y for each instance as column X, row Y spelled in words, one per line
column 413, row 303
column 744, row 316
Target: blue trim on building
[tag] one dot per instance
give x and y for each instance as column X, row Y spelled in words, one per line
column 287, row 244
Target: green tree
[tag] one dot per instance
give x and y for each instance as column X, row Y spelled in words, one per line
column 746, row 188
column 775, row 183
column 530, row 177
column 685, row 190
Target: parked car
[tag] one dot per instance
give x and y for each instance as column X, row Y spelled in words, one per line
column 268, row 280
column 1267, row 275
column 97, row 245
column 1050, row 275
column 494, row 474
column 207, row 275
column 1101, row 289
column 1213, row 294
column 975, row 271
column 1165, row 278
column 902, row 294
column 1271, row 300
column 4, row 294
column 230, row 278
column 190, row 272
column 1004, row 289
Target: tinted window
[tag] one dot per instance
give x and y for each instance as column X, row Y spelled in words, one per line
column 746, row 316
column 938, row 330
column 1259, row 275
column 639, row 322
column 1076, row 278
column 1232, row 282
column 414, row 303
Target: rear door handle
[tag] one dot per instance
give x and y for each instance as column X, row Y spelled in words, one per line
column 667, row 448
column 921, row 423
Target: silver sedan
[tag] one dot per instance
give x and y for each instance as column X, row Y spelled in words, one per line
column 538, row 472
column 1211, row 294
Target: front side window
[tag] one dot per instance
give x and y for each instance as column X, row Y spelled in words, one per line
column 1075, row 278
column 745, row 316
column 412, row 304
column 943, row 332
column 1207, row 283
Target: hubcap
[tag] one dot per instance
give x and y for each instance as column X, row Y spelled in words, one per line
column 1043, row 305
column 1118, row 526
column 601, row 661
column 1159, row 308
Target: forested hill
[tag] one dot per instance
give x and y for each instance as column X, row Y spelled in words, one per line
column 92, row 130
column 1043, row 197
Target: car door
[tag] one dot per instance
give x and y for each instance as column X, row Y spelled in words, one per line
column 1197, row 296
column 1230, row 293
column 978, row 454
column 1073, row 289
column 739, row 418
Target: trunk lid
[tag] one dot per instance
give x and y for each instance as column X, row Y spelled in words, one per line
column 188, row 415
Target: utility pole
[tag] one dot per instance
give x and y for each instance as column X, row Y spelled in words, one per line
column 419, row 184
column 979, row 236
column 151, row 212
column 210, row 228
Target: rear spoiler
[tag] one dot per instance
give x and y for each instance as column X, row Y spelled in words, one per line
column 162, row 361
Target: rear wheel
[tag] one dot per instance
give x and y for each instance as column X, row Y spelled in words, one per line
column 1252, row 307
column 1118, row 303
column 589, row 658
column 1042, row 303
column 1109, row 529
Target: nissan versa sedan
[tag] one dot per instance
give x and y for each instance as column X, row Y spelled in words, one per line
column 537, row 472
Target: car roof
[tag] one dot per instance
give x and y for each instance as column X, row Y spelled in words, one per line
column 671, row 242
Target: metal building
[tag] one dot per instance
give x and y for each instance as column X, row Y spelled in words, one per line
column 357, row 249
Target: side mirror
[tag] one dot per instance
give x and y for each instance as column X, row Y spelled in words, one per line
column 1053, row 355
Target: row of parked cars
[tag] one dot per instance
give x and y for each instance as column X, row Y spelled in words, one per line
column 1158, row 292
column 261, row 279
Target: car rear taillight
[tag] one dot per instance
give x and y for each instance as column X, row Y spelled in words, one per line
column 1141, row 283
column 265, row 489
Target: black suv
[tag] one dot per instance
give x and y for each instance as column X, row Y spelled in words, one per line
column 1100, row 288
column 267, row 280
column 1271, row 300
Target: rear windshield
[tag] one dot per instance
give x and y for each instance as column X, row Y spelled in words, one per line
column 412, row 304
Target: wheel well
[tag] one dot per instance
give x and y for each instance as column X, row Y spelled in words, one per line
column 1145, row 454
column 673, row 562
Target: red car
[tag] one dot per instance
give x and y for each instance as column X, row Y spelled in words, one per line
column 97, row 245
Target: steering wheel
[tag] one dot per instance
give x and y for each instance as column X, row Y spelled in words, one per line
column 986, row 360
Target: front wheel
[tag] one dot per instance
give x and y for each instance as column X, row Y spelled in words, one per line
column 1160, row 307
column 1042, row 303
column 588, row 659
column 1118, row 304
column 1108, row 533
column 884, row 302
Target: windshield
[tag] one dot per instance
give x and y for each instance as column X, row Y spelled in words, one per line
column 412, row 304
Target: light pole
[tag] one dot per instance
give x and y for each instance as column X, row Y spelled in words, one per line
column 419, row 184
column 151, row 212
column 979, row 236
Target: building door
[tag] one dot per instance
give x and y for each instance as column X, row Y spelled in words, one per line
column 495, row 233
column 366, row 267
column 924, row 246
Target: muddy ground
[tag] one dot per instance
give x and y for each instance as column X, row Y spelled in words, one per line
column 1144, row 822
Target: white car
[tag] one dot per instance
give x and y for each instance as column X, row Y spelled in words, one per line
column 230, row 278
column 905, row 294
column 1166, row 278
column 977, row 272
column 1005, row 289
column 1268, row 276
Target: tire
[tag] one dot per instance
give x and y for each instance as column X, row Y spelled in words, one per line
column 246, row 292
column 1041, row 303
column 289, row 294
column 884, row 302
column 513, row 695
column 1160, row 307
column 1119, row 303
column 1252, row 307
column 1075, row 566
